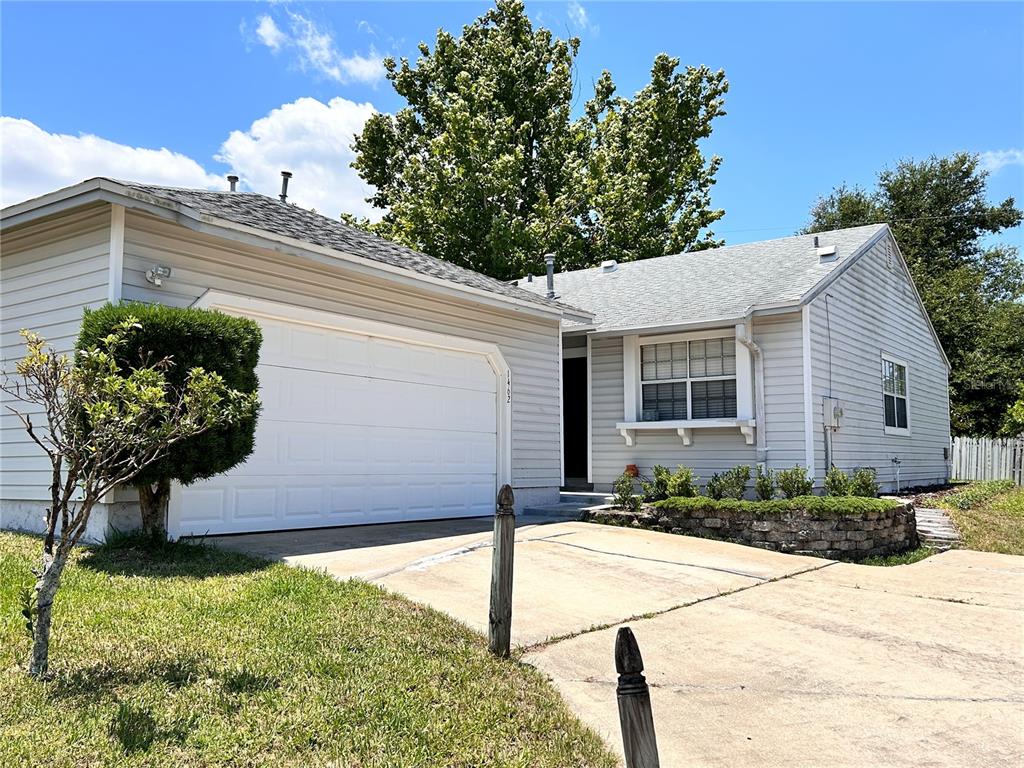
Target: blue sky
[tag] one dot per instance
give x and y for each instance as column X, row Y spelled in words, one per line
column 820, row 93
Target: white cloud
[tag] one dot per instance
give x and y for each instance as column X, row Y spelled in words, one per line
column 312, row 140
column 270, row 34
column 307, row 137
column 316, row 51
column 578, row 18
column 34, row 162
column 994, row 161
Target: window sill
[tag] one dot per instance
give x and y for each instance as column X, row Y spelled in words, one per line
column 684, row 428
column 904, row 431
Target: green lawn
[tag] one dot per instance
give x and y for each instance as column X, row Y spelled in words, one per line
column 190, row 656
column 989, row 521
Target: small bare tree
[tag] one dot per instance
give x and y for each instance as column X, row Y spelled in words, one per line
column 103, row 425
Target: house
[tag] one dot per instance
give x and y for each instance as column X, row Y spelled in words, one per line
column 812, row 350
column 395, row 386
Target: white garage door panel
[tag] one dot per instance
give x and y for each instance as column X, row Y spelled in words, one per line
column 355, row 429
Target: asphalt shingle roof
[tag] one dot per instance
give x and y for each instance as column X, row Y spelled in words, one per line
column 272, row 215
column 705, row 286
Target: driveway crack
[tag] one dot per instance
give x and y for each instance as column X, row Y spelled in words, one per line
column 651, row 614
column 687, row 687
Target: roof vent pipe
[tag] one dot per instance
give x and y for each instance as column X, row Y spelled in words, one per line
column 285, row 175
column 549, row 260
column 233, row 180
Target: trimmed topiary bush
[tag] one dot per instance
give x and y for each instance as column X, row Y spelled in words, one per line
column 190, row 338
column 794, row 482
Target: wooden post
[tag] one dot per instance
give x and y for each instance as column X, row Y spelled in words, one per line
column 635, row 716
column 499, row 630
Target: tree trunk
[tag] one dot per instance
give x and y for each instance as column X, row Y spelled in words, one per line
column 153, row 505
column 46, row 589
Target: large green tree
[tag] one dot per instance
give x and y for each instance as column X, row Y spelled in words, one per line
column 486, row 166
column 939, row 212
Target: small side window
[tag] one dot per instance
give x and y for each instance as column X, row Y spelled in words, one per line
column 894, row 396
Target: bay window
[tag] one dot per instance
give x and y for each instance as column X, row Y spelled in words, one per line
column 682, row 380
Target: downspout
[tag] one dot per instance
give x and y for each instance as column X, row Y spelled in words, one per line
column 744, row 337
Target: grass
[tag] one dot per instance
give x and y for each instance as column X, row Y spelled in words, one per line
column 990, row 519
column 902, row 558
column 830, row 506
column 186, row 655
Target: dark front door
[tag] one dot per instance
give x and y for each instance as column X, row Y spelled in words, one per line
column 574, row 410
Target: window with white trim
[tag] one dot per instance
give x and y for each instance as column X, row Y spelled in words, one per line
column 688, row 380
column 894, row 394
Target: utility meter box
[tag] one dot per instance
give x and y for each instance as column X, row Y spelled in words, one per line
column 832, row 413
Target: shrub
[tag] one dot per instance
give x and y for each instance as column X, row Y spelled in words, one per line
column 624, row 498
column 818, row 505
column 794, row 482
column 837, row 483
column 734, row 482
column 656, row 489
column 715, row 488
column 683, row 482
column 190, row 338
column 764, row 483
column 665, row 484
column 976, row 494
column 864, row 482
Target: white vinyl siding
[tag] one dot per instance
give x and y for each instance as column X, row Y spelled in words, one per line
column 780, row 339
column 49, row 272
column 530, row 345
column 872, row 313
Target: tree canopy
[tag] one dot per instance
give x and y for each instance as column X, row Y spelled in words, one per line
column 487, row 167
column 941, row 217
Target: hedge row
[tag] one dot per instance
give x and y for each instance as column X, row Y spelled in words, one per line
column 816, row 505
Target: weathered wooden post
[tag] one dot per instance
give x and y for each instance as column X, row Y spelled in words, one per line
column 499, row 631
column 635, row 716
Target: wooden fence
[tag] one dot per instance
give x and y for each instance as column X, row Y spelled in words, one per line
column 988, row 458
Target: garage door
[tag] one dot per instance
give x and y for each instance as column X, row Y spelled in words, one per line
column 355, row 429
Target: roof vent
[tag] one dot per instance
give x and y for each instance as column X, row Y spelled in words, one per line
column 285, row 175
column 549, row 261
column 826, row 253
column 233, row 181
column 609, row 266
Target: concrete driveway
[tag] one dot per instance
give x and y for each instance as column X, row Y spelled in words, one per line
column 755, row 658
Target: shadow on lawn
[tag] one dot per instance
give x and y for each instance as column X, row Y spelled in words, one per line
column 96, row 682
column 137, row 555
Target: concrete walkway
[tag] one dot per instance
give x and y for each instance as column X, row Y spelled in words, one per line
column 756, row 658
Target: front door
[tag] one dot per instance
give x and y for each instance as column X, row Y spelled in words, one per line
column 574, row 409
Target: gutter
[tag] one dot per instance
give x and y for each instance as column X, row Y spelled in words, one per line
column 745, row 337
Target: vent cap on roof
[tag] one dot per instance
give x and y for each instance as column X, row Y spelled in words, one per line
column 609, row 266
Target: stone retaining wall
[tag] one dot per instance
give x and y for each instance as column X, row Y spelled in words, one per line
column 838, row 537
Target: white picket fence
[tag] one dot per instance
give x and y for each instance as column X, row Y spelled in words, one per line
column 988, row 458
